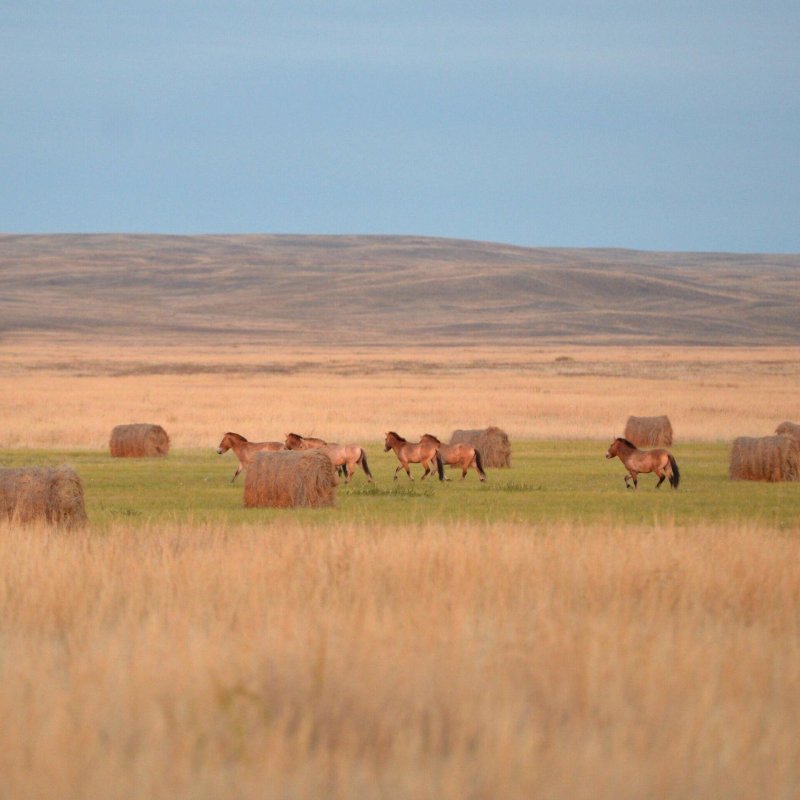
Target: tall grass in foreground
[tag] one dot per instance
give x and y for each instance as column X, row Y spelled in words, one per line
column 426, row 662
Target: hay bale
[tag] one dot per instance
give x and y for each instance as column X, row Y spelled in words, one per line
column 493, row 444
column 290, row 479
column 35, row 494
column 140, row 440
column 765, row 458
column 649, row 431
column 789, row 429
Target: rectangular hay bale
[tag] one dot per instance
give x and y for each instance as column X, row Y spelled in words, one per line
column 649, row 431
column 765, row 458
column 138, row 440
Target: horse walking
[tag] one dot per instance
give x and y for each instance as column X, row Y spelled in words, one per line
column 343, row 456
column 245, row 451
column 414, row 453
column 635, row 461
column 462, row 455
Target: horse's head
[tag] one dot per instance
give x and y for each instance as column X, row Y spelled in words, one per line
column 229, row 440
column 613, row 448
column 391, row 439
column 294, row 441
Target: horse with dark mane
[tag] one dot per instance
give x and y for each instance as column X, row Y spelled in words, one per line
column 462, row 455
column 635, row 461
column 343, row 456
column 245, row 451
column 414, row 453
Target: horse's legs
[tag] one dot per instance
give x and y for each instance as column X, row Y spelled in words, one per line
column 399, row 467
column 238, row 470
column 427, row 472
column 661, row 477
column 631, row 477
column 350, row 469
column 464, row 469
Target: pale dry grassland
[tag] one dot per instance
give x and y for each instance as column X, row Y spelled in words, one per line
column 58, row 393
column 498, row 661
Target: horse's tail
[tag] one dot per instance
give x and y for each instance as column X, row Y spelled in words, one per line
column 362, row 459
column 675, row 478
column 439, row 465
column 479, row 463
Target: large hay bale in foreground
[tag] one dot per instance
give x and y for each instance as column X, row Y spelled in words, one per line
column 493, row 443
column 36, row 494
column 649, row 431
column 140, row 440
column 765, row 458
column 290, row 479
column 789, row 429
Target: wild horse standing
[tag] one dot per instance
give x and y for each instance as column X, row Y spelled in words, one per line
column 414, row 453
column 343, row 456
column 462, row 455
column 245, row 451
column 635, row 461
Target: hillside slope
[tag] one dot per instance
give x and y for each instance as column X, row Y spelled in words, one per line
column 380, row 290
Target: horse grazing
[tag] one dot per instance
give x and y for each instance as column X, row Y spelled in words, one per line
column 245, row 451
column 414, row 453
column 635, row 461
column 462, row 455
column 343, row 456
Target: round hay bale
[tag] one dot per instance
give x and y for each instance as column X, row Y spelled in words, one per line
column 789, row 429
column 139, row 440
column 290, row 479
column 765, row 458
column 649, row 431
column 492, row 442
column 36, row 494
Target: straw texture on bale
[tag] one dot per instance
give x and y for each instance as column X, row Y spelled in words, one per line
column 290, row 479
column 789, row 429
column 139, row 440
column 765, row 458
column 649, row 431
column 493, row 444
column 42, row 494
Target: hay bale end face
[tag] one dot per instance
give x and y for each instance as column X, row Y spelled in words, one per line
column 42, row 494
column 789, row 429
column 765, row 458
column 649, row 431
column 290, row 479
column 139, row 440
column 492, row 442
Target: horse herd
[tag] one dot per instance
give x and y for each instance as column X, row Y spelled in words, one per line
column 429, row 452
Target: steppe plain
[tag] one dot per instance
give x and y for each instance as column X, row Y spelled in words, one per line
column 545, row 635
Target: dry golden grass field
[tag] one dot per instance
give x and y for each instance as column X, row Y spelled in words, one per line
column 390, row 647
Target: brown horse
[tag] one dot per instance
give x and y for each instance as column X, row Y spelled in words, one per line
column 414, row 453
column 343, row 456
column 635, row 461
column 462, row 455
column 245, row 451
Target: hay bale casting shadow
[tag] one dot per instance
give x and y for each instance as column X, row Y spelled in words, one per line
column 649, row 431
column 140, row 440
column 36, row 494
column 493, row 443
column 765, row 458
column 290, row 479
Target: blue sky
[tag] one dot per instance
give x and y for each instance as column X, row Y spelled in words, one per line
column 669, row 126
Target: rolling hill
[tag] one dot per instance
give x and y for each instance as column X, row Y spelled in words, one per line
column 350, row 290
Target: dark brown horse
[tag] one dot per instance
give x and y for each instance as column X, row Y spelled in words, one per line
column 414, row 453
column 635, row 461
column 462, row 455
column 343, row 456
column 245, row 451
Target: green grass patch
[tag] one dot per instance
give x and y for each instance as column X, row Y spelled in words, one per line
column 567, row 481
